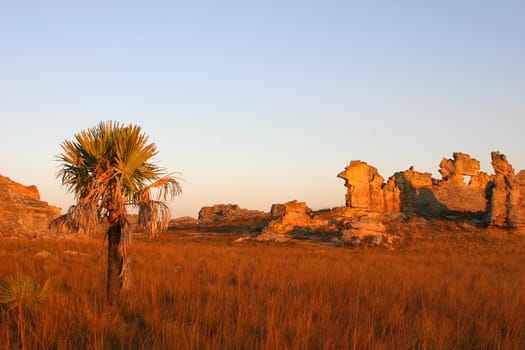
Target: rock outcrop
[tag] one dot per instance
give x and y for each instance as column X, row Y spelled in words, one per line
column 367, row 191
column 464, row 192
column 462, row 188
column 22, row 213
column 228, row 217
column 452, row 195
column 298, row 222
column 506, row 193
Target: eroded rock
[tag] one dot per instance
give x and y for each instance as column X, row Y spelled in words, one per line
column 297, row 221
column 21, row 210
column 464, row 192
column 461, row 165
column 227, row 217
column 369, row 231
column 364, row 226
column 367, row 192
column 506, row 193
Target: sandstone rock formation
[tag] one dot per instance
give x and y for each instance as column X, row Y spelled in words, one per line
column 416, row 194
column 506, row 193
column 365, row 225
column 297, row 220
column 368, row 230
column 227, row 217
column 21, row 210
column 455, row 192
column 463, row 192
column 517, row 200
column 366, row 190
column 277, row 210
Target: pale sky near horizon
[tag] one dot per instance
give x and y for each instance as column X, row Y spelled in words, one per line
column 263, row 102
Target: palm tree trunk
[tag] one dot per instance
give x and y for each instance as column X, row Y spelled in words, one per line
column 115, row 259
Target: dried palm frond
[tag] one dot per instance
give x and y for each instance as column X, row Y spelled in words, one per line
column 154, row 215
column 79, row 217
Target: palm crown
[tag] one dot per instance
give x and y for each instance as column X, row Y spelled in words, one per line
column 108, row 168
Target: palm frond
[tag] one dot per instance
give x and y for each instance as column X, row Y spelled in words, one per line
column 82, row 216
column 154, row 217
column 16, row 290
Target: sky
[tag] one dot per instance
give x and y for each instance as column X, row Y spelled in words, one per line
column 261, row 102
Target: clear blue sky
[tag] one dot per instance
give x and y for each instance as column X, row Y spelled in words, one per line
column 262, row 102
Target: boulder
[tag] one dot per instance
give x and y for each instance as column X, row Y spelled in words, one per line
column 296, row 214
column 370, row 231
column 21, row 210
column 364, row 226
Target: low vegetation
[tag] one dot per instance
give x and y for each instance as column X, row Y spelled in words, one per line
column 459, row 291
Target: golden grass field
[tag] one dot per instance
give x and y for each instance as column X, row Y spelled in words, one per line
column 448, row 291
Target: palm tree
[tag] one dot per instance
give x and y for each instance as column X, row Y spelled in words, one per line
column 108, row 168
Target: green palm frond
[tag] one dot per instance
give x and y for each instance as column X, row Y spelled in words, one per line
column 16, row 290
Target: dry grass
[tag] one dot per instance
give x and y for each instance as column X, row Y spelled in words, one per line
column 458, row 292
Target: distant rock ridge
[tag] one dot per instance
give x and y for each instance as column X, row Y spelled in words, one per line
column 375, row 208
column 22, row 213
column 373, row 213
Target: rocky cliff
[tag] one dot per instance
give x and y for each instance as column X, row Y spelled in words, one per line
column 22, row 213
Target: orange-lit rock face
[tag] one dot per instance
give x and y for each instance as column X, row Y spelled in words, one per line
column 463, row 191
column 462, row 164
column 364, row 187
column 224, row 217
column 423, row 195
column 517, row 200
column 18, row 189
column 501, row 165
column 21, row 210
column 297, row 216
column 506, row 194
